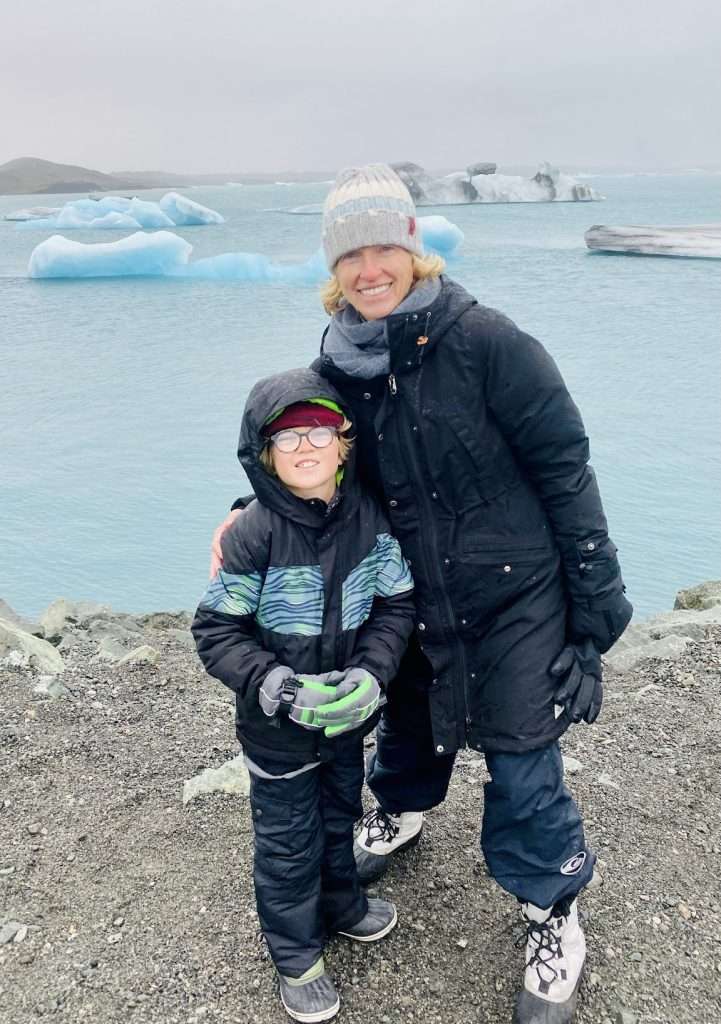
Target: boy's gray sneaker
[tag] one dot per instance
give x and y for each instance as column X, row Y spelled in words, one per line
column 380, row 918
column 312, row 998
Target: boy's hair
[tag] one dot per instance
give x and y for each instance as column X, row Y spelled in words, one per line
column 344, row 447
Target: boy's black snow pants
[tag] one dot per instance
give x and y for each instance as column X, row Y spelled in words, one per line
column 306, row 883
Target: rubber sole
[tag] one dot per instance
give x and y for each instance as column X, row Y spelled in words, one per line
column 376, row 935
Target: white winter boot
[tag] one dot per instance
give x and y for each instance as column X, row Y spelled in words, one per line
column 381, row 835
column 555, row 955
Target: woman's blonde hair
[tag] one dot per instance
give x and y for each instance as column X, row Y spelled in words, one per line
column 344, row 446
column 424, row 267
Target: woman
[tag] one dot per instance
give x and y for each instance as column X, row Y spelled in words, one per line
column 468, row 434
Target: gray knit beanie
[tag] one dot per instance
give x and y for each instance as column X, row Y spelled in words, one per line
column 368, row 206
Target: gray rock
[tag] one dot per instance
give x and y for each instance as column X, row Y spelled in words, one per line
column 51, row 687
column 624, row 1016
column 232, row 777
column 37, row 653
column 10, row 615
column 604, row 779
column 61, row 613
column 9, row 931
column 668, row 648
column 166, row 620
column 692, row 624
column 184, row 636
column 143, row 655
column 705, row 595
column 572, row 765
column 110, row 650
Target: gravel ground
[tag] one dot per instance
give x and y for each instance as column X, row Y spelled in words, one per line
column 135, row 908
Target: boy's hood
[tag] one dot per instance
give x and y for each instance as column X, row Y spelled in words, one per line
column 267, row 397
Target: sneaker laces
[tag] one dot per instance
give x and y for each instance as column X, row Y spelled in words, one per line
column 381, row 826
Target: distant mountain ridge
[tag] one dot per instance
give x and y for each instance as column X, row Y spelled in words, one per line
column 29, row 175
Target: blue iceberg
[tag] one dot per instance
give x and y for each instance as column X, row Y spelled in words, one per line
column 138, row 255
column 165, row 254
column 118, row 212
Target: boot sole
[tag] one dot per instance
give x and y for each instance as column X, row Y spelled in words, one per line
column 531, row 1009
column 312, row 1018
column 376, row 935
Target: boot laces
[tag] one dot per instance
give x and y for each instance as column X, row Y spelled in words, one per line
column 381, row 827
column 544, row 946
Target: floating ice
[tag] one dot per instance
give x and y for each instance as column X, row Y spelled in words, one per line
column 135, row 256
column 699, row 240
column 486, row 186
column 183, row 211
column 111, row 212
column 440, row 235
column 33, row 213
column 165, row 254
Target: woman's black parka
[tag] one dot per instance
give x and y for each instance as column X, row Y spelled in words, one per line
column 481, row 459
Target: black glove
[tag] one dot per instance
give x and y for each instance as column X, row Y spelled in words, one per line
column 581, row 692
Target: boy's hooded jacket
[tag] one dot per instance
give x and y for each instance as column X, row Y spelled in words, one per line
column 300, row 586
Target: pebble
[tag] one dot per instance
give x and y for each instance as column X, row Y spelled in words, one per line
column 21, row 934
column 625, row 1016
column 34, row 829
column 685, row 911
column 463, row 943
column 9, row 931
column 594, row 980
column 7, row 871
column 636, row 957
column 118, row 922
column 114, row 937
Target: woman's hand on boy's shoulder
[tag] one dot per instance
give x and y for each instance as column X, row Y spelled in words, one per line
column 216, row 551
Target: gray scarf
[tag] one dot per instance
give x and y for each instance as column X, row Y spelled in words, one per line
column 359, row 347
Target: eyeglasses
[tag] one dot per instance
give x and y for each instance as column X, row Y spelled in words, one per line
column 290, row 440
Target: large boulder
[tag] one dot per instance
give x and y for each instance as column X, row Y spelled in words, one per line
column 63, row 613
column 24, row 649
column 700, row 597
column 10, row 615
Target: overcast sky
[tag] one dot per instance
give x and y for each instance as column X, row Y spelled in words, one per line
column 227, row 85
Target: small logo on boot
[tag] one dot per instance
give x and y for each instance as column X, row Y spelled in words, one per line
column 574, row 864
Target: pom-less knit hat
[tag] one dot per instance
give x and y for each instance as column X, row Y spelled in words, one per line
column 314, row 413
column 368, row 206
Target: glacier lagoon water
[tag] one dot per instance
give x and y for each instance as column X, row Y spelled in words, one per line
column 122, row 398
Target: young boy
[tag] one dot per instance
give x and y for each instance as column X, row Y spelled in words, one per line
column 306, row 622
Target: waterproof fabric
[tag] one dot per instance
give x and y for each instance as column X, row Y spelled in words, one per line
column 301, row 585
column 532, row 834
column 481, row 459
column 306, row 882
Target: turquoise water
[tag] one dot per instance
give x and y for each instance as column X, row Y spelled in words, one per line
column 122, row 398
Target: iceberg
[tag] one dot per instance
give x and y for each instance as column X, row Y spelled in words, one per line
column 32, row 213
column 183, row 211
column 699, row 240
column 137, row 255
column 165, row 254
column 480, row 183
column 119, row 212
column 440, row 235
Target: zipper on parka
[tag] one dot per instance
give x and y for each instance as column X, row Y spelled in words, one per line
column 434, row 561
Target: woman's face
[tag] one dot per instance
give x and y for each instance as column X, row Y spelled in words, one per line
column 375, row 279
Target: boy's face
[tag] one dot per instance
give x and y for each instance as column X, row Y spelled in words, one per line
column 308, row 472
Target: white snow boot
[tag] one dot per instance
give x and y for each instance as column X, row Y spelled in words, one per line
column 555, row 955
column 381, row 835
